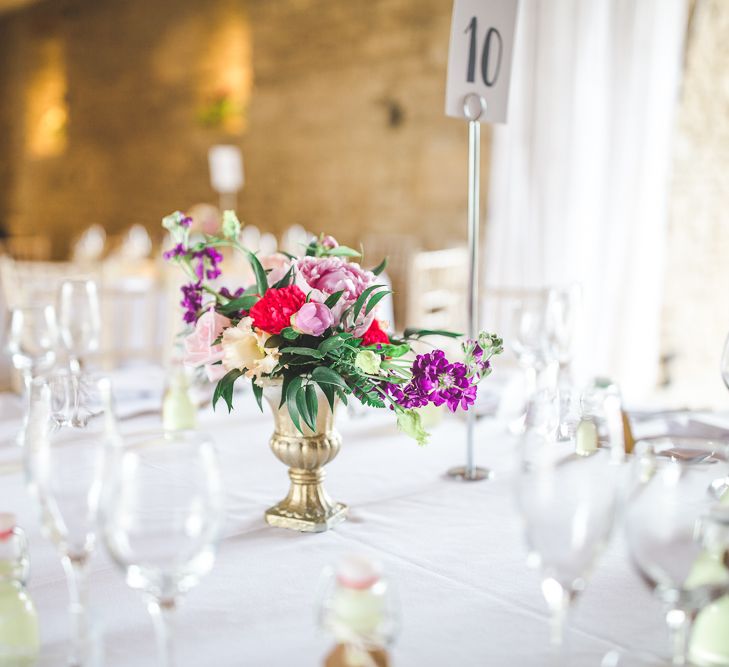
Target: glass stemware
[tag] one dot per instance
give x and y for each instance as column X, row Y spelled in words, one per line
column 70, row 422
column 725, row 363
column 562, row 313
column 32, row 340
column 79, row 319
column 667, row 508
column 567, row 501
column 161, row 516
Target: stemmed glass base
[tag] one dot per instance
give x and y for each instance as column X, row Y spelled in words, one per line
column 475, row 474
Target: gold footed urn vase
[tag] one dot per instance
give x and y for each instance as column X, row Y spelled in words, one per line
column 307, row 507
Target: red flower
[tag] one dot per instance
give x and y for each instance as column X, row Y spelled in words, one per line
column 273, row 312
column 374, row 335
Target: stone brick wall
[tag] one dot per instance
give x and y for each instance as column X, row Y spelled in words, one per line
column 337, row 106
column 696, row 311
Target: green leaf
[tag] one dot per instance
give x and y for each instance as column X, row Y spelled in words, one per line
column 287, row 254
column 274, row 341
column 326, row 375
column 363, row 297
column 259, row 272
column 380, row 267
column 419, row 333
column 258, row 393
column 342, row 251
column 303, row 407
column 375, row 300
column 286, row 280
column 224, row 388
column 332, row 299
column 289, row 334
column 312, row 405
column 291, row 392
column 330, row 344
column 305, row 351
column 241, row 303
column 328, row 391
column 388, row 350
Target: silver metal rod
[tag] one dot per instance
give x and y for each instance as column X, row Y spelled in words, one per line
column 474, row 187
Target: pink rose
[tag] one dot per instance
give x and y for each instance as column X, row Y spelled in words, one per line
column 199, row 348
column 312, row 319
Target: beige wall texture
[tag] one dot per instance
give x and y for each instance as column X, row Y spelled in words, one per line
column 696, row 312
column 108, row 108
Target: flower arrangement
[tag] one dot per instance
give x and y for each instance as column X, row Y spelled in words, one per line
column 310, row 322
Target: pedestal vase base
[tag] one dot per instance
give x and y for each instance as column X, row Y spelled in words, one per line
column 281, row 517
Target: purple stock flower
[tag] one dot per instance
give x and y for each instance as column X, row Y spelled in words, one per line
column 191, row 301
column 207, row 266
column 436, row 380
column 224, row 291
column 185, row 221
column 177, row 251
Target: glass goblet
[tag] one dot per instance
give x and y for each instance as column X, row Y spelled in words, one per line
column 669, row 499
column 79, row 319
column 70, row 423
column 567, row 502
column 32, row 339
column 161, row 516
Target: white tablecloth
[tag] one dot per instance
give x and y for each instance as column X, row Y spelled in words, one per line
column 454, row 551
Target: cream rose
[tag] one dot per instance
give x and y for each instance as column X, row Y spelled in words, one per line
column 244, row 349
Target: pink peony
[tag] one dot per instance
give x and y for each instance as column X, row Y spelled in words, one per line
column 199, row 348
column 312, row 319
column 322, row 276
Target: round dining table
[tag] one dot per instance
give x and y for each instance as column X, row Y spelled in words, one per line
column 452, row 551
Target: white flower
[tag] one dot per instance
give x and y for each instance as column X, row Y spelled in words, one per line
column 244, row 349
column 231, row 225
column 368, row 362
column 177, row 224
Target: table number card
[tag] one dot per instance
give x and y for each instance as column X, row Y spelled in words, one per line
column 479, row 58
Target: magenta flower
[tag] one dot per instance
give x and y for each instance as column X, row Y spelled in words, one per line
column 435, row 380
column 312, row 319
column 191, row 301
column 177, row 251
column 208, row 260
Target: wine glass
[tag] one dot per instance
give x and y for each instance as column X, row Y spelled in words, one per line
column 79, row 319
column 725, row 363
column 562, row 311
column 70, row 423
column 668, row 504
column 161, row 516
column 32, row 339
column 532, row 346
column 567, row 501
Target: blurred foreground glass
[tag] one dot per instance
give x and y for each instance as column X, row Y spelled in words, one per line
column 70, row 426
column 669, row 502
column 567, row 502
column 161, row 517
column 357, row 607
column 32, row 340
column 79, row 319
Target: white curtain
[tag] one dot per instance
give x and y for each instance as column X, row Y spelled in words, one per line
column 579, row 174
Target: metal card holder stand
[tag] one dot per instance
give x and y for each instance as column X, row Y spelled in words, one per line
column 474, row 107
